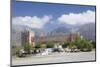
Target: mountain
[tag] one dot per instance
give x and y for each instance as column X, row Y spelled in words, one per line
column 61, row 30
column 88, row 31
column 53, row 29
column 49, row 27
column 38, row 32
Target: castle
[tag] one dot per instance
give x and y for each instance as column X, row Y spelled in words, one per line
column 29, row 36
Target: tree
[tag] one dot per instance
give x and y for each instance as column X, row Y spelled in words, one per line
column 89, row 46
column 15, row 50
column 65, row 44
column 78, row 43
column 72, row 46
column 94, row 44
column 50, row 45
column 43, row 46
column 82, row 44
column 86, row 45
column 28, row 47
column 38, row 46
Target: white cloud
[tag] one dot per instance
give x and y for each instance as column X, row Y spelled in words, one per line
column 71, row 18
column 78, row 18
column 34, row 22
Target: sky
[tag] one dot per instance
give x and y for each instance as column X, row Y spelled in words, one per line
column 36, row 15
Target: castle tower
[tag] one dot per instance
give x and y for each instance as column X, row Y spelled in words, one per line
column 31, row 38
column 73, row 36
column 28, row 37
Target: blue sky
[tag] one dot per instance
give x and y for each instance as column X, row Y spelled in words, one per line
column 37, row 15
column 40, row 9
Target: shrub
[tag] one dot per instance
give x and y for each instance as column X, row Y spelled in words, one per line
column 94, row 44
column 82, row 44
column 43, row 46
column 40, row 45
column 50, row 45
column 86, row 45
column 65, row 44
column 28, row 47
column 15, row 50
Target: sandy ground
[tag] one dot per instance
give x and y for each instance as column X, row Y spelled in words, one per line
column 55, row 58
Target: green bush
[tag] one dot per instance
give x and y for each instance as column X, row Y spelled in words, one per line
column 86, row 45
column 28, row 47
column 94, row 44
column 72, row 45
column 15, row 50
column 50, row 45
column 43, row 46
column 82, row 44
column 40, row 45
column 66, row 44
